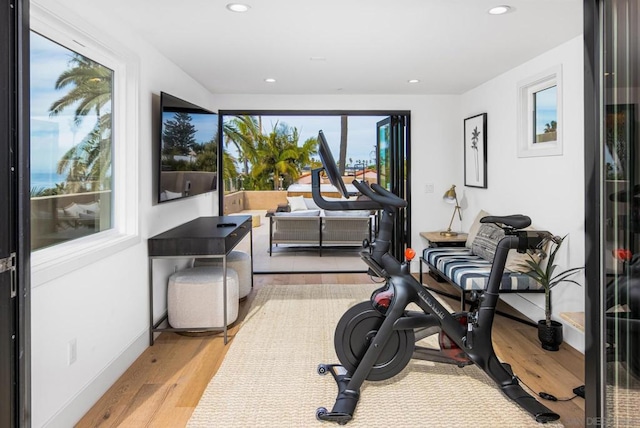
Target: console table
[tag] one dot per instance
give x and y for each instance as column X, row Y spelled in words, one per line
column 203, row 237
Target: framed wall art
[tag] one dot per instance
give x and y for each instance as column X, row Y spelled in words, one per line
column 475, row 151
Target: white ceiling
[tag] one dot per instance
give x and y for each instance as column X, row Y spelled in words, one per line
column 362, row 46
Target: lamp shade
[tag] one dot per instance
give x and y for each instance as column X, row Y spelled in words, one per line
column 450, row 196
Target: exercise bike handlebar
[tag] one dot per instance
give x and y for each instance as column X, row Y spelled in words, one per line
column 380, row 195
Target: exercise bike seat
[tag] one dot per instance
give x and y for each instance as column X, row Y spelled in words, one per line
column 516, row 221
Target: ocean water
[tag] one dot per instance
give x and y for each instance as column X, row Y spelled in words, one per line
column 45, row 180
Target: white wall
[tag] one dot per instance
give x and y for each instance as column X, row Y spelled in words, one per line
column 548, row 189
column 103, row 305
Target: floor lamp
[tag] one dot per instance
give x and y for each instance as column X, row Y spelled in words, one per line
column 451, row 197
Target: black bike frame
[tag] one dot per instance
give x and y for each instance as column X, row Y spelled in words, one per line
column 475, row 339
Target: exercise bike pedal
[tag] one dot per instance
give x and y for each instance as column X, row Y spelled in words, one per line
column 341, row 418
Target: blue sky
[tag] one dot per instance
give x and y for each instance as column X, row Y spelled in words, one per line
column 546, row 108
column 51, row 136
column 361, row 132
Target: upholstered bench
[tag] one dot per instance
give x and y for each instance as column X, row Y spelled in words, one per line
column 468, row 268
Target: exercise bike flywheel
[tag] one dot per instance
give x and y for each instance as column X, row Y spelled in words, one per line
column 355, row 331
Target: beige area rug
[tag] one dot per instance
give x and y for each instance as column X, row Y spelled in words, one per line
column 269, row 377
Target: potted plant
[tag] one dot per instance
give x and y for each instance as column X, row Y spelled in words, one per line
column 549, row 331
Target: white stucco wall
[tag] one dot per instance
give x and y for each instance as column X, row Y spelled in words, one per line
column 549, row 189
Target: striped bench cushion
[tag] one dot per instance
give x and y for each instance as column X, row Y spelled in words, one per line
column 471, row 272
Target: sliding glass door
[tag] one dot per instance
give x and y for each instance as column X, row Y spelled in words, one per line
column 14, row 218
column 392, row 153
column 613, row 212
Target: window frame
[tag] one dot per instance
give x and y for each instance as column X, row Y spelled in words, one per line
column 58, row 260
column 527, row 89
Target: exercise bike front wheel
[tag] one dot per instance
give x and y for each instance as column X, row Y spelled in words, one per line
column 355, row 331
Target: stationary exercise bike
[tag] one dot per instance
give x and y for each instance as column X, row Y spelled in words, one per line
column 375, row 339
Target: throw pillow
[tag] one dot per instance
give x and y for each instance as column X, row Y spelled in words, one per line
column 486, row 241
column 517, row 262
column 296, row 203
column 310, row 204
column 475, row 226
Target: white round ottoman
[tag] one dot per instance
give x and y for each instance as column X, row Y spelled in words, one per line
column 239, row 261
column 195, row 296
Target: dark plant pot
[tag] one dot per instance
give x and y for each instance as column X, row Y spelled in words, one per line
column 550, row 337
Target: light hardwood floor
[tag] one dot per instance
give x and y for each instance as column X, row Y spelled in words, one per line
column 164, row 385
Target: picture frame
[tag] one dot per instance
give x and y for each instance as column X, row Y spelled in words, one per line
column 475, row 151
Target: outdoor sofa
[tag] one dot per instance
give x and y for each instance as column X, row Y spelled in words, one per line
column 302, row 222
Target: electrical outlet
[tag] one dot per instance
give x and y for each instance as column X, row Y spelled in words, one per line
column 428, row 188
column 72, row 351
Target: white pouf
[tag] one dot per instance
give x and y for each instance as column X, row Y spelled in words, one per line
column 236, row 260
column 194, row 297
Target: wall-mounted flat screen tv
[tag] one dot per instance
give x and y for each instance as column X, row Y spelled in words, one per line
column 188, row 149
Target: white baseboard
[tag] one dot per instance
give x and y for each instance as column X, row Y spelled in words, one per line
column 82, row 402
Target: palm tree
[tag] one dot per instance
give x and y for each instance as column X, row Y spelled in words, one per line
column 244, row 132
column 551, row 127
column 280, row 156
column 88, row 164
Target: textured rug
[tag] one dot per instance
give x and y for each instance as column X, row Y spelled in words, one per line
column 269, row 377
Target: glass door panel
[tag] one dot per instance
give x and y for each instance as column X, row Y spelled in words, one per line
column 392, row 155
column 621, row 208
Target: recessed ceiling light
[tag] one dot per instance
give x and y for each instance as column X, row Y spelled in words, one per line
column 499, row 10
column 238, row 7
column 413, row 81
column 270, row 80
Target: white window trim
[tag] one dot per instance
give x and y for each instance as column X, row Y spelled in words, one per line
column 526, row 91
column 72, row 32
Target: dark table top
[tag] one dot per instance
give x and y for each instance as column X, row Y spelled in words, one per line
column 201, row 236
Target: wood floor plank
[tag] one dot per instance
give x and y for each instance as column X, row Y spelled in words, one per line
column 164, row 384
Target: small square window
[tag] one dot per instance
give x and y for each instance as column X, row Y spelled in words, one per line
column 540, row 115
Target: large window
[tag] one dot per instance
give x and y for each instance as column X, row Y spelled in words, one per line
column 84, row 145
column 71, row 144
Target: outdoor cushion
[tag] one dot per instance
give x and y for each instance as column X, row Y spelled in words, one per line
column 471, row 272
column 347, row 213
column 296, row 203
column 304, row 213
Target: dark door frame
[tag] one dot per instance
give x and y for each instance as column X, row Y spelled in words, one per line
column 14, row 193
column 594, row 356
